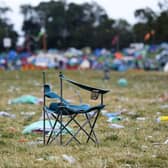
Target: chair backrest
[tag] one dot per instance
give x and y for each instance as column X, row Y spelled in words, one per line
column 51, row 94
column 94, row 91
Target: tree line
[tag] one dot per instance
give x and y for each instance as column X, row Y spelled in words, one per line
column 56, row 24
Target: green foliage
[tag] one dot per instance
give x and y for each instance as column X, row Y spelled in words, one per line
column 74, row 25
column 6, row 29
column 81, row 25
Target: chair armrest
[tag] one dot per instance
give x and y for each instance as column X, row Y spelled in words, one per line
column 86, row 87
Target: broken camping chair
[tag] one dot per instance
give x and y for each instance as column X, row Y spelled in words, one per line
column 81, row 117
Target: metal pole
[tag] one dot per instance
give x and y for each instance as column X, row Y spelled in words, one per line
column 44, row 103
column 61, row 94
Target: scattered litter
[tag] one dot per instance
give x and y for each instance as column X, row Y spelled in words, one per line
column 144, row 147
column 13, row 89
column 154, row 156
column 50, row 158
column 53, row 158
column 12, row 129
column 114, row 119
column 22, row 140
column 164, row 106
column 166, row 142
column 26, row 99
column 104, row 111
column 37, row 127
column 113, row 114
column 27, row 113
column 5, row 114
column 70, row 159
column 131, row 113
column 122, row 82
column 164, row 97
column 40, row 159
column 140, row 118
column 162, row 118
column 158, row 113
column 35, row 143
column 116, row 126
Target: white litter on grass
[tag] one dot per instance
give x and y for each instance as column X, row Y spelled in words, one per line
column 164, row 106
column 6, row 114
column 116, row 126
column 39, row 159
column 140, row 118
column 166, row 142
column 27, row 113
column 70, row 159
column 53, row 158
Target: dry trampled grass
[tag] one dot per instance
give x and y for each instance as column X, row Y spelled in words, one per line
column 139, row 144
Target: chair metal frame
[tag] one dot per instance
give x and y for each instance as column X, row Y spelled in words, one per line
column 66, row 109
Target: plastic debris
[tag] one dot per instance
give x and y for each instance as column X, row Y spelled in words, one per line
column 166, row 142
column 37, row 127
column 122, row 82
column 164, row 106
column 70, row 159
column 162, row 118
column 27, row 113
column 26, row 99
column 114, row 119
column 5, row 114
column 116, row 126
column 140, row 118
column 35, row 143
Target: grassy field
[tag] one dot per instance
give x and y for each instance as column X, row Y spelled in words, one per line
column 140, row 144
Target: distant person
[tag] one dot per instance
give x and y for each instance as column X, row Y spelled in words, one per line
column 106, row 69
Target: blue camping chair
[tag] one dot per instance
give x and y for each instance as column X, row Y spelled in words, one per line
column 65, row 113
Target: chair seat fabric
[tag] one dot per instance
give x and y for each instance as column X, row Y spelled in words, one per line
column 69, row 109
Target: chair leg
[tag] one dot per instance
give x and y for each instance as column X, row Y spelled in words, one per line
column 92, row 127
column 64, row 127
column 44, row 127
column 81, row 128
column 44, row 124
column 53, row 127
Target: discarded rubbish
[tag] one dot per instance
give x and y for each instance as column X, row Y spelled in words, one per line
column 12, row 129
column 26, row 99
column 39, row 159
column 22, row 140
column 5, row 114
column 116, row 126
column 140, row 118
column 162, row 118
column 122, row 82
column 164, row 106
column 53, row 158
column 70, row 159
column 164, row 97
column 35, row 142
column 37, row 127
column 114, row 119
column 112, row 114
column 28, row 113
column 166, row 142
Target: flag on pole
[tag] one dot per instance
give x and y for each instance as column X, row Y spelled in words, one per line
column 147, row 36
column 115, row 40
column 41, row 33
